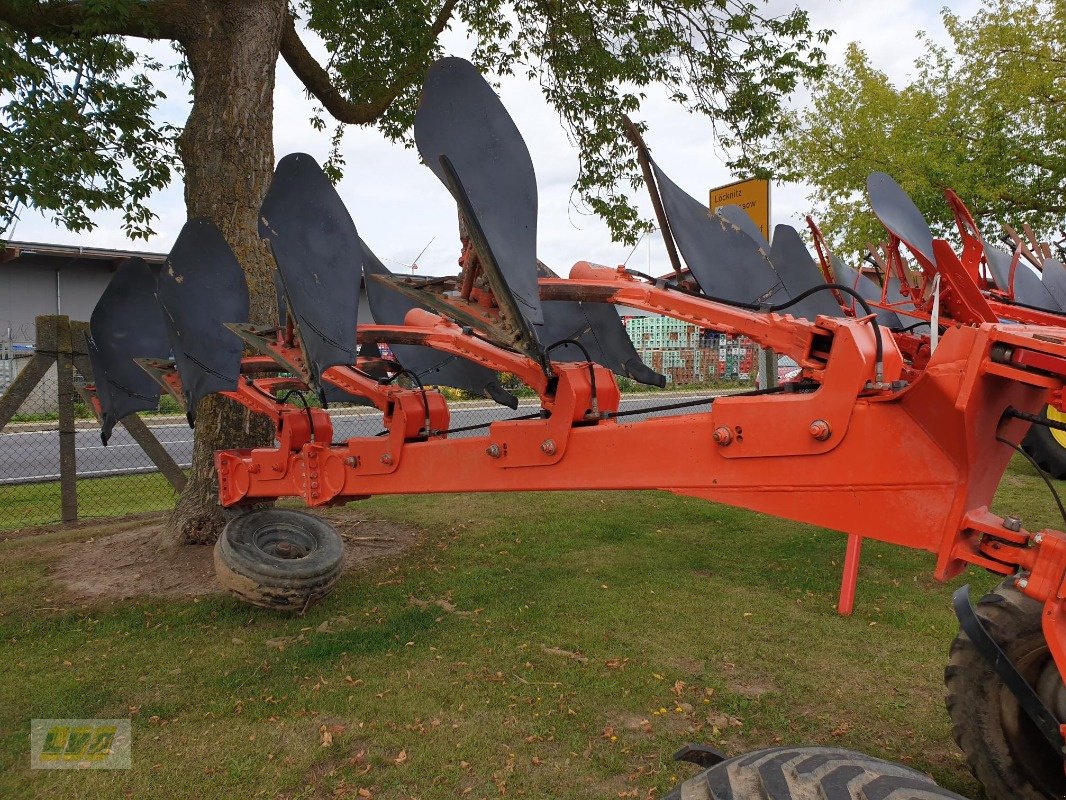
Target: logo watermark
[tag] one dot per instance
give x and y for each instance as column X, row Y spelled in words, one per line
column 80, row 744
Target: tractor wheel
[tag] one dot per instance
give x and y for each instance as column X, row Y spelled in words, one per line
column 280, row 559
column 1003, row 747
column 805, row 773
column 1047, row 446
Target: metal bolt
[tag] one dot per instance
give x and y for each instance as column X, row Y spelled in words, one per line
column 1022, row 582
column 386, row 458
column 1012, row 524
column 1038, row 538
column 493, row 451
column 253, row 468
column 820, row 430
column 722, row 436
column 548, row 446
column 351, row 461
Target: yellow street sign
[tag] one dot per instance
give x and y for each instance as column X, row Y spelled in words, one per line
column 753, row 195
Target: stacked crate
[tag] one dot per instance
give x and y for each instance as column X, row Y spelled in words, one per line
column 687, row 354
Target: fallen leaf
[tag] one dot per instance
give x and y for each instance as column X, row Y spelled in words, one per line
column 556, row 651
column 401, row 758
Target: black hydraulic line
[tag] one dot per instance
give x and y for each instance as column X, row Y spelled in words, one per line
column 661, row 283
column 421, row 389
column 918, row 324
column 878, row 344
column 1036, row 419
column 786, row 388
column 480, row 425
column 303, row 400
column 652, row 409
column 1009, row 301
column 588, row 360
column 1040, row 472
column 284, row 399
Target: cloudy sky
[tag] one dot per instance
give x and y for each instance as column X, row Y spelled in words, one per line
column 400, row 207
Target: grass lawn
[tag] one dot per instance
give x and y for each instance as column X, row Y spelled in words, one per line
column 25, row 505
column 545, row 645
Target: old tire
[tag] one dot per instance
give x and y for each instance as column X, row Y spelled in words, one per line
column 805, row 773
column 280, row 559
column 1003, row 748
column 1048, row 446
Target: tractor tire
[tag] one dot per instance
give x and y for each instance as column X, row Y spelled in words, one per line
column 809, row 773
column 1048, row 446
column 279, row 559
column 1003, row 747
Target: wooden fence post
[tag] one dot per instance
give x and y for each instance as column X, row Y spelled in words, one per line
column 68, row 464
column 11, row 401
column 140, row 432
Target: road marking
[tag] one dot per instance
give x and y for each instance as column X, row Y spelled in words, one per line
column 97, row 474
column 127, row 444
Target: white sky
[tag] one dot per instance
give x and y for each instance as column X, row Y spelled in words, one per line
column 399, row 206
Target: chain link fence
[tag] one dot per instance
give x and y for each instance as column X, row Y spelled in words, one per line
column 121, row 479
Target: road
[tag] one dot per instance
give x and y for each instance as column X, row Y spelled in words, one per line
column 33, row 456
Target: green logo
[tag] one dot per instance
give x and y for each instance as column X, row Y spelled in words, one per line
column 80, row 743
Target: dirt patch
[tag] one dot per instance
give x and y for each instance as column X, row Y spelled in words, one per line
column 751, row 689
column 140, row 562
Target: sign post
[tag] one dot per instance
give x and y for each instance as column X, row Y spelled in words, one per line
column 752, row 195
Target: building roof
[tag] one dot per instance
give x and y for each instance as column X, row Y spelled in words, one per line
column 13, row 251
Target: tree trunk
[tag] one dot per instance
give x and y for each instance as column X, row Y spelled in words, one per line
column 227, row 149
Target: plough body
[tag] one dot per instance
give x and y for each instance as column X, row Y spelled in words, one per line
column 887, row 433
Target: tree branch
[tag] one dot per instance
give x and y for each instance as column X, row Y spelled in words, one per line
column 154, row 19
column 318, row 82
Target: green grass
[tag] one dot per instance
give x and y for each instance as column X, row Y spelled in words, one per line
column 167, row 406
column 689, row 622
column 26, row 505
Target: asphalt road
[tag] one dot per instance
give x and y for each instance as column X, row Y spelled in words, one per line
column 33, row 456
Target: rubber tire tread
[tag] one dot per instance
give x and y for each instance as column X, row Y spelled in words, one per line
column 1012, row 619
column 271, row 582
column 1041, row 444
column 809, row 773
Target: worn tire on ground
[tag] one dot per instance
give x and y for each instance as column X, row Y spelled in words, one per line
column 809, row 773
column 1044, row 445
column 1003, row 748
column 280, row 559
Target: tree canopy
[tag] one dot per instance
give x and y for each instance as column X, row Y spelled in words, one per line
column 73, row 89
column 77, row 132
column 983, row 116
